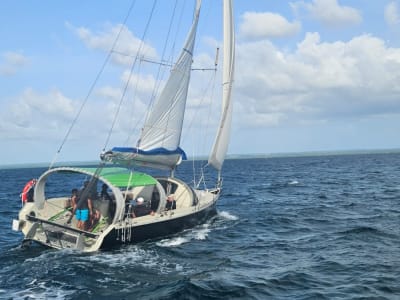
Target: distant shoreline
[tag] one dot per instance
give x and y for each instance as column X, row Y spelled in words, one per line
column 229, row 156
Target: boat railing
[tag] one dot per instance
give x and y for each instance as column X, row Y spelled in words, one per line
column 39, row 220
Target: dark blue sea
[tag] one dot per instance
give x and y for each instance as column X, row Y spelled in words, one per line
column 323, row 227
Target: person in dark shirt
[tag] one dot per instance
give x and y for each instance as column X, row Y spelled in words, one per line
column 171, row 203
column 104, row 195
column 140, row 209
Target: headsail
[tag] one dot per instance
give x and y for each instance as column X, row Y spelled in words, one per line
column 221, row 142
column 158, row 145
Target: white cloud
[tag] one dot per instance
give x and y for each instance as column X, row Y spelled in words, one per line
column 265, row 25
column 48, row 116
column 330, row 12
column 392, row 16
column 319, row 81
column 125, row 49
column 142, row 84
column 12, row 62
column 33, row 115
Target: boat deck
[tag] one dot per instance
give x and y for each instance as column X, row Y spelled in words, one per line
column 60, row 231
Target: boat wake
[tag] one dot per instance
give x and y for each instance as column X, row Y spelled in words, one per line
column 172, row 242
column 227, row 215
column 198, row 233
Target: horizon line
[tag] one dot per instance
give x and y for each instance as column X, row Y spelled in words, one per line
column 229, row 156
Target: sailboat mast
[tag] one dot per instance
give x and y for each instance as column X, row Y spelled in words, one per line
column 221, row 142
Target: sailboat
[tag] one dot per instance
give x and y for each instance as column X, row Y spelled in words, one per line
column 49, row 221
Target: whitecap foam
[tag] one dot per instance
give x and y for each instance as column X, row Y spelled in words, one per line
column 227, row 215
column 132, row 254
column 173, row 242
column 201, row 233
column 136, row 255
column 293, row 182
column 41, row 290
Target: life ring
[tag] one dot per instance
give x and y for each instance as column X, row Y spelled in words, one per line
column 25, row 191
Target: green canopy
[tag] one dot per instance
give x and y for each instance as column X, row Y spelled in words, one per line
column 121, row 177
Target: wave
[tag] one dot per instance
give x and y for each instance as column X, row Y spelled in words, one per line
column 361, row 229
column 40, row 290
column 366, row 231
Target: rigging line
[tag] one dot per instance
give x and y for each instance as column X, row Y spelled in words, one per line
column 190, row 127
column 163, row 62
column 196, row 17
column 210, row 86
column 157, row 82
column 92, row 86
column 178, row 27
column 202, row 178
column 143, row 58
column 130, row 74
column 133, row 128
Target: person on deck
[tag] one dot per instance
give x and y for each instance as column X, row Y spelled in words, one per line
column 171, row 203
column 30, row 194
column 140, row 209
column 71, row 201
column 83, row 208
column 104, row 195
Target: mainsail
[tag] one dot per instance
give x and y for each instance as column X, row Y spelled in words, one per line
column 220, row 147
column 158, row 145
column 163, row 126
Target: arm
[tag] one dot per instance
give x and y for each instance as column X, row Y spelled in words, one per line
column 90, row 206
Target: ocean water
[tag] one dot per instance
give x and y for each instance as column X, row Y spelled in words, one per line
column 324, row 227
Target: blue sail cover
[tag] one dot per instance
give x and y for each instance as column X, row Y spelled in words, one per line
column 159, row 158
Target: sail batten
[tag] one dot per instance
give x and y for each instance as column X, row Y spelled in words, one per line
column 220, row 146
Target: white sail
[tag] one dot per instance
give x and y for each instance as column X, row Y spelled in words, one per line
column 158, row 146
column 163, row 126
column 221, row 142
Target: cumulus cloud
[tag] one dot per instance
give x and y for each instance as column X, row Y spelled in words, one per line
column 33, row 115
column 318, row 81
column 126, row 48
column 330, row 12
column 391, row 13
column 266, row 25
column 12, row 62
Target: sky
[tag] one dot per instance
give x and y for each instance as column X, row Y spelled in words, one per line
column 311, row 75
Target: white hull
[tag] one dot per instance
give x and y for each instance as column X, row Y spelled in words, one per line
column 47, row 222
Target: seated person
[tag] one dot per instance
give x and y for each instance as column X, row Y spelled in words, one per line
column 140, row 209
column 171, row 203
